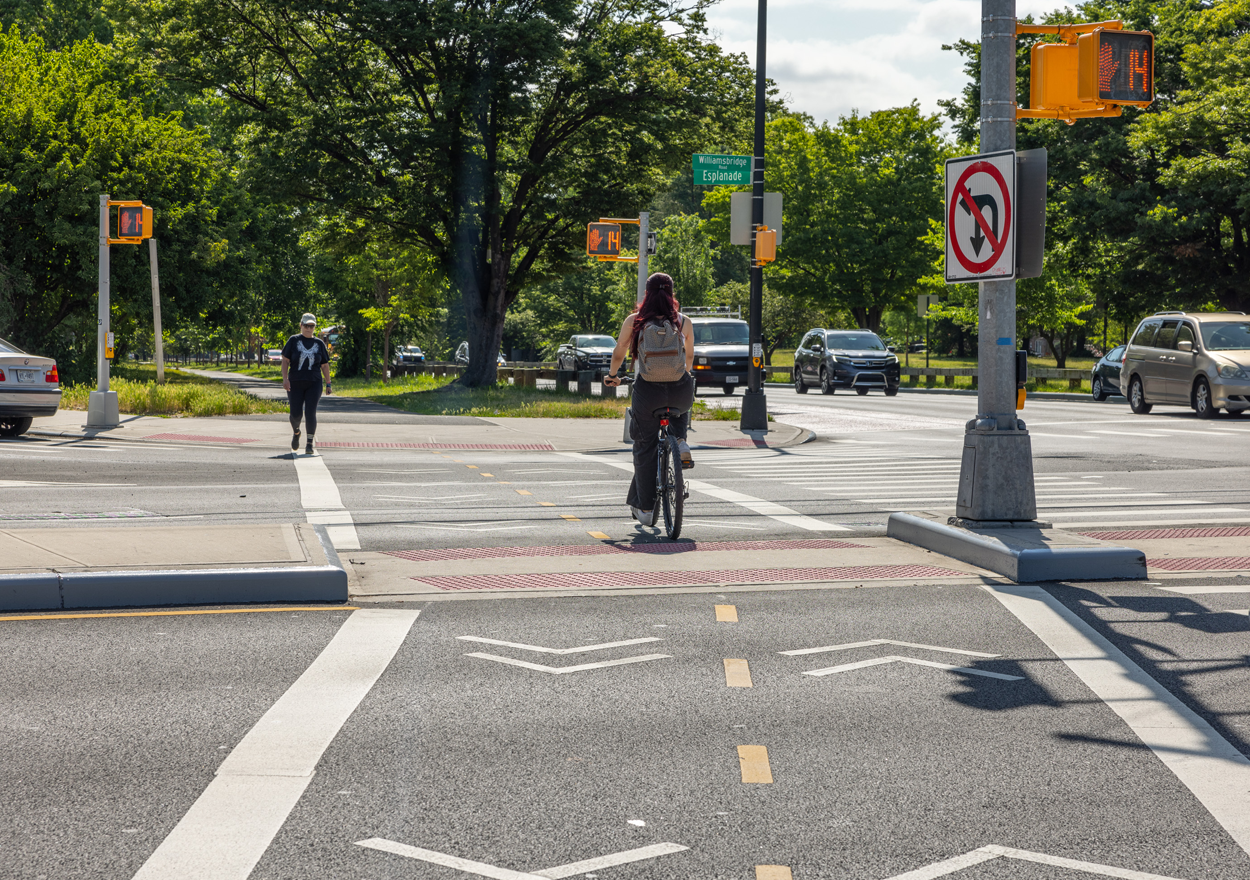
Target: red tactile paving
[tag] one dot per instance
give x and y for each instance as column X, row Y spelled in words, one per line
column 583, row 580
column 454, row 553
column 1149, row 534
column 1200, row 563
column 513, row 447
column 200, row 438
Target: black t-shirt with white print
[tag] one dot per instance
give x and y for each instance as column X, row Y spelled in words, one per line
column 306, row 357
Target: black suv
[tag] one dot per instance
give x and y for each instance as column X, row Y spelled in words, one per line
column 835, row 359
column 586, row 352
column 722, row 348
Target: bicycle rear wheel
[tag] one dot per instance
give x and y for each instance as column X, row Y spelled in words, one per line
column 672, row 487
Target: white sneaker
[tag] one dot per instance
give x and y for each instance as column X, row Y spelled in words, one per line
column 646, row 517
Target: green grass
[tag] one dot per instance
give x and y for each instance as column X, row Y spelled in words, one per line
column 181, row 395
column 421, row 394
column 260, row 371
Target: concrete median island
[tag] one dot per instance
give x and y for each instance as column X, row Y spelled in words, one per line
column 46, row 569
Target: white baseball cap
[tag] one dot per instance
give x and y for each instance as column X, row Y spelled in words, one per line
column 309, row 318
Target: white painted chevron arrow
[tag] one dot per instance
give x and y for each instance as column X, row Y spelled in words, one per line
column 540, row 649
column 481, row 869
column 848, row 646
column 991, row 852
column 563, row 670
column 878, row 661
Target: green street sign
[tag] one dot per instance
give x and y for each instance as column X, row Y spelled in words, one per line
column 711, row 169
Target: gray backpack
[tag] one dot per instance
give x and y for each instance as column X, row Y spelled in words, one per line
column 661, row 352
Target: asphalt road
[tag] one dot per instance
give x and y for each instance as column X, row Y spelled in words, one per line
column 1096, row 465
column 116, row 729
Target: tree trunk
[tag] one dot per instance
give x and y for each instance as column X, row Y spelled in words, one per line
column 386, row 354
column 369, row 356
column 868, row 318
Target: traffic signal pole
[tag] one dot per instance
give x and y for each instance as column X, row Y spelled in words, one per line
column 102, row 410
column 996, row 473
column 754, row 405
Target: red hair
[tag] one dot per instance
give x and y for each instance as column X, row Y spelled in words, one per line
column 658, row 304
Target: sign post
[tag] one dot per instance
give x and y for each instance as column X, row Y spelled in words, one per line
column 996, row 470
column 157, row 333
column 754, row 404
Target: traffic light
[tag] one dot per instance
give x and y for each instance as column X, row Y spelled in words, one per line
column 1094, row 72
column 603, row 239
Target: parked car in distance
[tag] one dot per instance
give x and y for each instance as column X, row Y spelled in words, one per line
column 1105, row 380
column 462, row 355
column 409, row 354
column 722, row 352
column 1200, row 360
column 273, row 356
column 832, row 359
column 30, row 388
column 586, row 352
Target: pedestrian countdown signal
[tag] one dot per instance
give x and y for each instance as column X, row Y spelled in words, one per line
column 1116, row 67
column 134, row 222
column 603, row 239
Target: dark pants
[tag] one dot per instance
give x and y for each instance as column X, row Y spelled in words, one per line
column 647, row 397
column 304, row 395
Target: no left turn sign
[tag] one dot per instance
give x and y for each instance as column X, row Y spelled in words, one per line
column 980, row 217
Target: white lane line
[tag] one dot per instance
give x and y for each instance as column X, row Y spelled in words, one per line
column 1213, row 588
column 848, row 646
column 755, row 505
column 322, row 502
column 540, row 649
column 880, row 661
column 232, row 823
column 1206, row 763
column 988, row 853
column 562, row 670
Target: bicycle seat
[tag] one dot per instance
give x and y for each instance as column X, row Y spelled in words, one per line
column 667, row 412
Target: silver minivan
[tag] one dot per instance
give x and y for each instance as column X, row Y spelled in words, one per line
column 1200, row 360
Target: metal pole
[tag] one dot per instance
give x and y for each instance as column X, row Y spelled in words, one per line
column 926, row 341
column 754, row 405
column 996, row 474
column 643, row 229
column 102, row 301
column 156, row 313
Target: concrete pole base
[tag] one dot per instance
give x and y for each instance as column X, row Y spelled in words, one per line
column 754, row 411
column 102, row 410
column 996, row 477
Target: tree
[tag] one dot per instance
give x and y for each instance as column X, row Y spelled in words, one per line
column 860, row 195
column 784, row 318
column 486, row 131
column 684, row 251
column 81, row 121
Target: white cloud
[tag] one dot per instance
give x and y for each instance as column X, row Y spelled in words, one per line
column 832, row 57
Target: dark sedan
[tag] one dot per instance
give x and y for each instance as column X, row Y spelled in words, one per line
column 832, row 359
column 409, row 354
column 586, row 352
column 1105, row 380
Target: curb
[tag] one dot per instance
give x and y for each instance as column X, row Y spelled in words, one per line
column 64, row 591
column 1022, row 565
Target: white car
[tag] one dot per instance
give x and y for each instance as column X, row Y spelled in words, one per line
column 29, row 388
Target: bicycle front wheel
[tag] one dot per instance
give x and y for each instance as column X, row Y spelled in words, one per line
column 672, row 487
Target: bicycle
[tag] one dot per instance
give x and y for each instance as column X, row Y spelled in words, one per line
column 670, row 482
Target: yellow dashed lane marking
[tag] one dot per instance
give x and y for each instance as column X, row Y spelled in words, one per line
column 471, row 466
column 176, row 613
column 505, row 483
column 546, row 504
column 486, row 475
column 773, row 872
column 754, row 761
column 523, row 492
column 737, row 674
column 569, row 517
column 600, row 535
column 727, row 613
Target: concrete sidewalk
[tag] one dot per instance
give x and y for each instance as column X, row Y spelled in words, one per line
column 101, row 567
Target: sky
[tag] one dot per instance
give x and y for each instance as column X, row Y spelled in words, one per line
column 835, row 56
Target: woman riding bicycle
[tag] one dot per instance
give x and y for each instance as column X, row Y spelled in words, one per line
column 661, row 342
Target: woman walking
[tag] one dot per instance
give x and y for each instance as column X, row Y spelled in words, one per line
column 303, row 357
column 662, row 343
